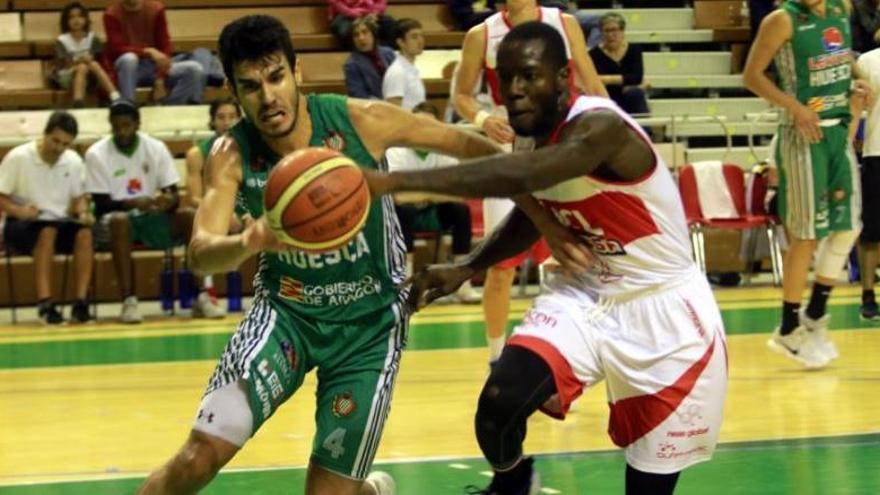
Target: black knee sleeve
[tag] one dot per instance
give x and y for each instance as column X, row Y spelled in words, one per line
column 520, row 382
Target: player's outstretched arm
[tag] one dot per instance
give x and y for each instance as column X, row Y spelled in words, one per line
column 598, row 137
column 515, row 234
column 381, row 126
column 212, row 249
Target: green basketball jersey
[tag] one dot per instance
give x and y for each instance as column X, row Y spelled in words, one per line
column 362, row 276
column 815, row 65
column 205, row 146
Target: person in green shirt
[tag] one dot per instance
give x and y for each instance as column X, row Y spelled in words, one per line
column 224, row 113
column 344, row 312
column 819, row 194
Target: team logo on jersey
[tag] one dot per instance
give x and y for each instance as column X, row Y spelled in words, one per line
column 134, row 186
column 335, row 141
column 291, row 288
column 832, row 39
column 289, row 354
column 343, row 405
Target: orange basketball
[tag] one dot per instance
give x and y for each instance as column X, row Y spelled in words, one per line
column 316, row 199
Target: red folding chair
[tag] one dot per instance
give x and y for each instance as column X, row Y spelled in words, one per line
column 697, row 222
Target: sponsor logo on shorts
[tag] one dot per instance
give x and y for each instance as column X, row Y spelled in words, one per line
column 289, row 354
column 335, row 141
column 268, row 372
column 669, row 451
column 329, row 294
column 343, row 405
column 695, row 319
column 689, row 414
column 539, row 319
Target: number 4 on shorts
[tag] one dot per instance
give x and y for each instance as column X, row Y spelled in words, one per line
column 334, row 443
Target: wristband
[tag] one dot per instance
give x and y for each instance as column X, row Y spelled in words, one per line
column 481, row 117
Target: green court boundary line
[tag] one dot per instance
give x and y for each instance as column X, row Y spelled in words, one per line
column 831, row 441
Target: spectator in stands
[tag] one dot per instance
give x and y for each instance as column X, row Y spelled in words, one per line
column 224, row 113
column 431, row 212
column 344, row 13
column 43, row 195
column 588, row 21
column 139, row 48
column 468, row 13
column 402, row 84
column 620, row 65
column 865, row 22
column 368, row 62
column 869, row 239
column 133, row 181
column 78, row 55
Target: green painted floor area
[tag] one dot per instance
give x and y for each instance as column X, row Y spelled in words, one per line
column 423, row 336
column 830, row 466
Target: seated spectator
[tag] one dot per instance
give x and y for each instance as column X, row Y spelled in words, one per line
column 620, row 66
column 224, row 113
column 47, row 211
column 865, row 22
column 468, row 13
column 367, row 64
column 139, row 47
column 402, row 84
column 344, row 13
column 78, row 52
column 431, row 212
column 133, row 182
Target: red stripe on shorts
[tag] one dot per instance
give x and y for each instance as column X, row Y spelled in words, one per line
column 568, row 387
column 633, row 417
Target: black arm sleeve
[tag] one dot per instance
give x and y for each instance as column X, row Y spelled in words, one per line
column 104, row 205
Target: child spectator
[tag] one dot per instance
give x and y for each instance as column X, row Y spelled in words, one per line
column 78, row 53
column 402, row 84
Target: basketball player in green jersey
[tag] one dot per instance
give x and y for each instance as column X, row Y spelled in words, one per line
column 819, row 194
column 340, row 312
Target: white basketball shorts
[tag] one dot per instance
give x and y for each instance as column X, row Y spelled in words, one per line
column 662, row 354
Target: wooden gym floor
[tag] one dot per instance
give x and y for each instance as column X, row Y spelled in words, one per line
column 91, row 409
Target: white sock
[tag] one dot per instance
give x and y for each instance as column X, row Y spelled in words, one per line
column 115, row 96
column 208, row 282
column 496, row 345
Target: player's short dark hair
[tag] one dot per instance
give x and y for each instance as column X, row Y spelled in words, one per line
column 125, row 107
column 219, row 102
column 62, row 120
column 65, row 16
column 404, row 26
column 253, row 37
column 554, row 45
column 427, row 107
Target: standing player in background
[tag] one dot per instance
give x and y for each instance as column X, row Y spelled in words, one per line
column 478, row 60
column 641, row 317
column 224, row 113
column 341, row 312
column 819, row 194
column 869, row 65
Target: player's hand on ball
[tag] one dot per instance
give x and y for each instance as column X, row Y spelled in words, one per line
column 257, row 236
column 434, row 282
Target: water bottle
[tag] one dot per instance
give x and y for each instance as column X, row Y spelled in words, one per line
column 186, row 285
column 166, row 287
column 233, row 292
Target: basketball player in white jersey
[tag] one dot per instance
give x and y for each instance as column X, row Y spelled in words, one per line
column 479, row 54
column 642, row 317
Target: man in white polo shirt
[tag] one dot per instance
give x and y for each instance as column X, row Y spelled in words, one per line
column 402, row 84
column 133, row 182
column 42, row 193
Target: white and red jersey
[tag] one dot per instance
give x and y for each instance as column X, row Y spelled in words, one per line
column 497, row 27
column 637, row 229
